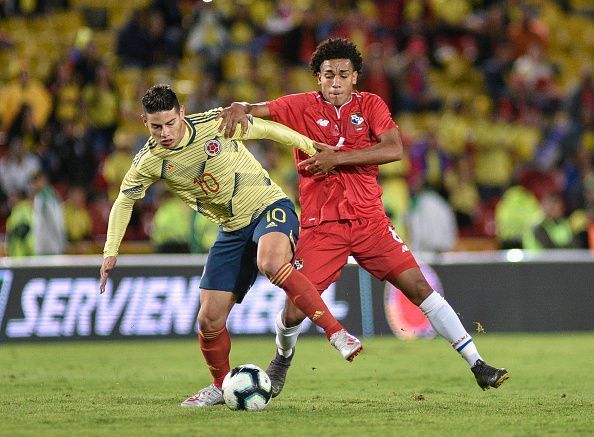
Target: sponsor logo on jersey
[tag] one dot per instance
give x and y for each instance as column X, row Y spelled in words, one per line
column 271, row 225
column 357, row 119
column 212, row 147
column 322, row 122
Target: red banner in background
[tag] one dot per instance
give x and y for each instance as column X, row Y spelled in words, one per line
column 405, row 319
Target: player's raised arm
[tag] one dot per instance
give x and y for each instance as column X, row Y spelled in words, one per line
column 259, row 129
column 237, row 113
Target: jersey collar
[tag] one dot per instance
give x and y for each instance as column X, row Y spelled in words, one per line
column 188, row 137
column 321, row 96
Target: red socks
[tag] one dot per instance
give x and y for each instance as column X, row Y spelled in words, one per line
column 215, row 347
column 305, row 297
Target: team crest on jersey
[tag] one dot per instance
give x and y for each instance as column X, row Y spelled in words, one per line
column 322, row 122
column 357, row 119
column 212, row 147
column 298, row 264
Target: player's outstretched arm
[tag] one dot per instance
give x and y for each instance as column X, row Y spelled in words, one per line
column 237, row 113
column 119, row 217
column 107, row 266
column 259, row 129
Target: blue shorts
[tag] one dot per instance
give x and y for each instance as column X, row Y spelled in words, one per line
column 231, row 263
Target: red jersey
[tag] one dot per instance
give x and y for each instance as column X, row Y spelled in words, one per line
column 352, row 191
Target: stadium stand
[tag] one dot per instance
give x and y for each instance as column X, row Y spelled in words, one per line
column 487, row 94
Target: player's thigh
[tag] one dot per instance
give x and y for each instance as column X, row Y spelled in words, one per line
column 380, row 250
column 276, row 233
column 230, row 266
column 322, row 252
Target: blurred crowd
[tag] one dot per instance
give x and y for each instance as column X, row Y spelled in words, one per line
column 494, row 100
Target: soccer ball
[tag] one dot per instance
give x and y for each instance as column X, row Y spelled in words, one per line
column 247, row 387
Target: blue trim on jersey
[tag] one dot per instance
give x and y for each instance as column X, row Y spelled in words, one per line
column 464, row 345
column 189, row 122
column 231, row 263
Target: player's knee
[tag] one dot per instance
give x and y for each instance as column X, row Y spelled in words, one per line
column 210, row 322
column 412, row 283
column 269, row 265
column 273, row 253
column 419, row 291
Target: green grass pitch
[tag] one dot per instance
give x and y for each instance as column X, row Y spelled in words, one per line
column 394, row 388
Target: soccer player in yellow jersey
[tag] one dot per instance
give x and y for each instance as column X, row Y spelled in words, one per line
column 221, row 179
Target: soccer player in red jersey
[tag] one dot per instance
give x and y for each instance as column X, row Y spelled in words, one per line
column 341, row 208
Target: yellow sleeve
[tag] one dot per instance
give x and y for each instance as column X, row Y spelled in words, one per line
column 259, row 129
column 119, row 217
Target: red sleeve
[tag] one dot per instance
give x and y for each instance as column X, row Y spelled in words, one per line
column 379, row 118
column 287, row 109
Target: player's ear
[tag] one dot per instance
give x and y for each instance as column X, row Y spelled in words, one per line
column 144, row 120
column 182, row 111
column 319, row 76
column 355, row 75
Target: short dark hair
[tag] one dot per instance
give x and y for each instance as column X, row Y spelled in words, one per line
column 336, row 48
column 159, row 98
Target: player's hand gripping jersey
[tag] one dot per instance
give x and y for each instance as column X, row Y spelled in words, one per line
column 349, row 192
column 214, row 175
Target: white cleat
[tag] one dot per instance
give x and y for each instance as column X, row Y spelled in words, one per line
column 211, row 395
column 348, row 345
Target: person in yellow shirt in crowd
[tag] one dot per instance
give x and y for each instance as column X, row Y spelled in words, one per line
column 19, row 226
column 171, row 225
column 117, row 163
column 24, row 90
column 515, row 214
column 554, row 230
column 77, row 220
column 100, row 101
column 203, row 233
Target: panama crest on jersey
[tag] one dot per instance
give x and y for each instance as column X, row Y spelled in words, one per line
column 357, row 119
column 298, row 264
column 212, row 147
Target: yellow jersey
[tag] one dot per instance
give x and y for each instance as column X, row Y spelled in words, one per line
column 216, row 176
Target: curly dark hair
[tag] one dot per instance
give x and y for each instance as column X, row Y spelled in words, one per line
column 159, row 98
column 336, row 48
